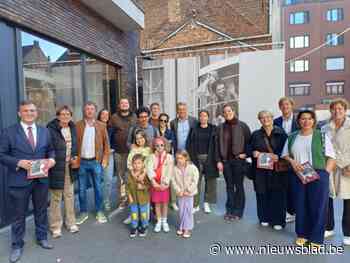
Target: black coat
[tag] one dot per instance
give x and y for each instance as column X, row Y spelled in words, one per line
column 210, row 169
column 266, row 180
column 56, row 173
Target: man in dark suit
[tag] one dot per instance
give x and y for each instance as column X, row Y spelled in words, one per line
column 289, row 124
column 20, row 145
column 181, row 127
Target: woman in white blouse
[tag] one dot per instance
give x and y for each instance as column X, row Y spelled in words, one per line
column 311, row 199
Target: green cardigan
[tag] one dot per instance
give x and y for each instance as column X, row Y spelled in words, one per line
column 140, row 197
column 317, row 147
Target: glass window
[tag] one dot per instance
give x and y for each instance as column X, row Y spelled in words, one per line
column 300, row 89
column 52, row 76
column 298, row 18
column 299, row 42
column 334, row 40
column 100, row 82
column 335, row 63
column 335, row 14
column 335, row 88
column 299, row 65
column 153, row 82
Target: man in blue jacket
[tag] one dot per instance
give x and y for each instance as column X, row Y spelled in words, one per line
column 20, row 145
column 289, row 124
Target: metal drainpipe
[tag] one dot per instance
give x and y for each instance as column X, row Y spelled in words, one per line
column 137, row 83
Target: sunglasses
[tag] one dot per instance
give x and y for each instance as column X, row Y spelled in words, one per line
column 162, row 120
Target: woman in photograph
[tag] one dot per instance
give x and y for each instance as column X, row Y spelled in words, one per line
column 338, row 128
column 201, row 146
column 270, row 184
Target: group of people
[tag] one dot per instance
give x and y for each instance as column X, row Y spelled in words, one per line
column 161, row 163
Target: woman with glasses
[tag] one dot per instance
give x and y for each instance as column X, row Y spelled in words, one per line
column 160, row 170
column 166, row 132
column 201, row 146
column 270, row 184
column 64, row 173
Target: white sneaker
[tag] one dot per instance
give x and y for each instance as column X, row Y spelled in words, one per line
column 158, row 227
column 277, row 227
column 346, row 241
column 195, row 209
column 207, row 209
column 290, row 218
column 165, row 226
column 174, row 207
column 264, row 224
column 127, row 221
column 328, row 233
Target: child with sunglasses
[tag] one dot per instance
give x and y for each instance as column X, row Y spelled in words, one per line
column 160, row 170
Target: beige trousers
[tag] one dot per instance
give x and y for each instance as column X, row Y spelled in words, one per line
column 55, row 214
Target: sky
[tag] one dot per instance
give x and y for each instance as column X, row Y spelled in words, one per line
column 50, row 49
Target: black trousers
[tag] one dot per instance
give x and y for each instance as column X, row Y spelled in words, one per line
column 19, row 201
column 234, row 178
column 345, row 219
column 290, row 197
column 271, row 207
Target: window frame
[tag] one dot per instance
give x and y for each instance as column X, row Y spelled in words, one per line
column 335, row 57
column 306, row 17
column 306, row 39
column 305, row 85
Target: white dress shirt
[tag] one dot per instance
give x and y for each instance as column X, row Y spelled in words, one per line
column 88, row 144
column 287, row 124
column 34, row 130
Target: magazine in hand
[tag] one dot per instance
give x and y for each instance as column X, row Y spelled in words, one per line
column 309, row 174
column 265, row 161
column 39, row 169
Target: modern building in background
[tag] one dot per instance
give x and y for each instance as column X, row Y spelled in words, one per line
column 318, row 68
column 65, row 52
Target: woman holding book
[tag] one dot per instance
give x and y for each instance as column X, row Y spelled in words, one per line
column 310, row 150
column 270, row 183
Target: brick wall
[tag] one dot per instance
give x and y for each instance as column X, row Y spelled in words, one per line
column 74, row 24
column 235, row 18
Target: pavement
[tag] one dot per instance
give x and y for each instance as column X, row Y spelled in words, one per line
column 110, row 242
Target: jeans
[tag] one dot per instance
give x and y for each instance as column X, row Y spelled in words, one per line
column 92, row 169
column 234, row 177
column 107, row 179
column 345, row 218
column 139, row 215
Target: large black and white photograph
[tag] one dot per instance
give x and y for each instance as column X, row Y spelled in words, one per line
column 219, row 85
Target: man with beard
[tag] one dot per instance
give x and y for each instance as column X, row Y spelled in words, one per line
column 120, row 123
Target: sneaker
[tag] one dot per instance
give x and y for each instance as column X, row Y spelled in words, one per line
column 123, row 203
column 56, row 234
column 277, row 227
column 127, row 221
column 133, row 232
column 142, row 232
column 207, row 209
column 174, row 207
column 346, row 241
column 101, row 218
column 165, row 226
column 227, row 217
column 290, row 218
column 328, row 233
column 265, row 224
column 179, row 232
column 73, row 229
column 186, row 234
column 300, row 241
column 195, row 210
column 158, row 227
column 82, row 218
column 107, row 206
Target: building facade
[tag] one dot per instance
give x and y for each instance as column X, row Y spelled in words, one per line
column 65, row 52
column 318, row 60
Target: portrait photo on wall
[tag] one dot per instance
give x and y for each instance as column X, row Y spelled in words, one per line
column 218, row 85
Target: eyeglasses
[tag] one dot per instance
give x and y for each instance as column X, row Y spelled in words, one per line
column 162, row 120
